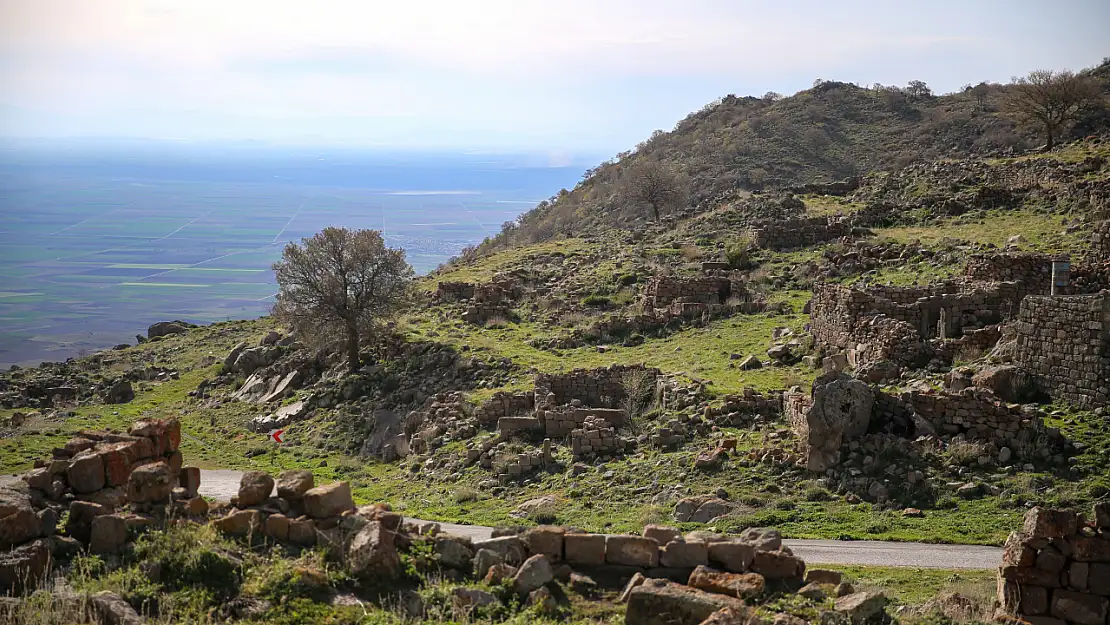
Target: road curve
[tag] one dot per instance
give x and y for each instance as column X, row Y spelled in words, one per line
column 223, row 484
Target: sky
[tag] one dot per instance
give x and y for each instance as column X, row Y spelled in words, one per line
column 576, row 75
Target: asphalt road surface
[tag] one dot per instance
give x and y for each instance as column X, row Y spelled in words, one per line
column 224, row 484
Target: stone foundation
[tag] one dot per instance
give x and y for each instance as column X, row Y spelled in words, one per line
column 798, row 232
column 595, row 388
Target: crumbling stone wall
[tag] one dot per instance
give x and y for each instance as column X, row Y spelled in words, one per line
column 663, row 290
column 894, row 323
column 562, row 420
column 596, row 437
column 1057, row 569
column 1064, row 341
column 1032, row 272
column 798, row 232
column 975, row 413
column 504, row 404
column 454, row 291
column 1100, row 241
column 594, row 388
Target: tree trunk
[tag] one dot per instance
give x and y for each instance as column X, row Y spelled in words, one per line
column 353, row 361
column 655, row 210
column 1051, row 143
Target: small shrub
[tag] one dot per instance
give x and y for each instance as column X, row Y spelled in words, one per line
column 627, row 279
column 596, row 301
column 816, row 493
column 464, row 494
column 739, row 255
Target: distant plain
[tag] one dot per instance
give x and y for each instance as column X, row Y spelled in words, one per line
column 97, row 242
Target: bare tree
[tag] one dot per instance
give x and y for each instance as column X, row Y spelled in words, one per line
column 654, row 184
column 1051, row 100
column 340, row 283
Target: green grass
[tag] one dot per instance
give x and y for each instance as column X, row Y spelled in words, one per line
column 914, row 586
column 1043, row 232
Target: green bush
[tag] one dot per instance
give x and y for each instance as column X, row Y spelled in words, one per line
column 627, row 279
column 596, row 301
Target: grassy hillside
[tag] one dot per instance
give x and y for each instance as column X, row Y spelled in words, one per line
column 833, row 131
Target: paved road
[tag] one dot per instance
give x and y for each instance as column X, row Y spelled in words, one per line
column 223, row 484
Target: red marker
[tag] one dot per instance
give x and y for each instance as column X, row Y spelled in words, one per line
column 276, row 435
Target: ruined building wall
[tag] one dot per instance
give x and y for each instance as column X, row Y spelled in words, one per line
column 1100, row 241
column 595, row 388
column 1033, row 272
column 661, row 291
column 798, row 232
column 1065, row 342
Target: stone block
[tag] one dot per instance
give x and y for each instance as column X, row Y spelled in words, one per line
column 662, row 534
column 585, row 549
column 254, row 488
column 189, row 479
column 86, row 472
column 109, row 534
column 683, row 555
column 631, row 550
column 739, row 585
column 546, row 540
column 778, row 565
column 292, row 485
column 734, row 556
column 328, row 500
column 1079, row 608
column 1046, row 523
column 659, row 602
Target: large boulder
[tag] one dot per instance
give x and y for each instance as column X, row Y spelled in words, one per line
column 739, row 585
column 18, row 521
column 293, row 484
column 24, row 565
column 150, row 483
column 120, row 392
column 111, row 609
column 254, row 488
column 840, row 410
column 373, row 553
column 660, row 602
column 86, row 472
column 631, row 550
column 328, row 500
column 1010, row 383
column 81, row 517
column 861, row 607
column 701, row 509
column 535, row 572
column 240, row 523
column 165, row 328
column 109, row 534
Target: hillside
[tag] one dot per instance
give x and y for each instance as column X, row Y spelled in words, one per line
column 830, row 132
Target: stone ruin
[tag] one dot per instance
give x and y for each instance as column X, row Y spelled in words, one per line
column 1031, row 272
column 594, row 388
column 799, row 232
column 1056, row 570
column 1064, row 341
column 662, row 291
column 94, row 477
column 595, row 437
column 897, row 323
column 483, row 301
column 1100, row 241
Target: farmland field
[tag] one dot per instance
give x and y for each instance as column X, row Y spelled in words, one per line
column 96, row 244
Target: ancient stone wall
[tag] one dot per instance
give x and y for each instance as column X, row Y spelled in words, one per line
column 1100, row 241
column 480, row 313
column 504, row 404
column 454, row 291
column 798, row 232
column 1064, row 341
column 1032, row 272
column 894, row 323
column 1057, row 569
column 594, row 388
column 596, row 437
column 562, row 420
column 663, row 290
column 974, row 413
